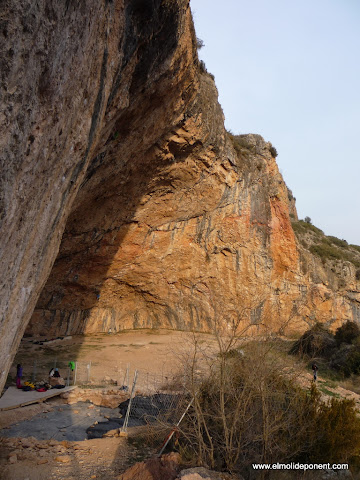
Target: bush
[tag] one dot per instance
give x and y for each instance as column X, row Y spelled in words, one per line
column 273, row 151
column 326, row 252
column 346, row 360
column 202, row 66
column 327, row 247
column 302, row 227
column 349, row 257
column 249, row 410
column 338, row 242
column 238, row 147
column 335, row 433
column 317, row 341
column 199, row 43
column 348, row 332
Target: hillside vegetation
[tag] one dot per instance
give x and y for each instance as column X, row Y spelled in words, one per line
column 249, row 408
column 339, row 352
column 327, row 248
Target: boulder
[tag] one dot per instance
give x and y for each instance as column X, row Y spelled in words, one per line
column 164, row 468
column 201, row 473
column 112, row 433
column 63, row 459
column 12, row 458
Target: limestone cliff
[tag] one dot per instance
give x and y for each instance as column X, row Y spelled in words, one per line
column 332, row 268
column 210, row 239
column 114, row 144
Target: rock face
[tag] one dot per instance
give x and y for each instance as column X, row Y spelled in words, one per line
column 210, row 241
column 114, row 144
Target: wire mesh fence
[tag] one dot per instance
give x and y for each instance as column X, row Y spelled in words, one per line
column 156, row 402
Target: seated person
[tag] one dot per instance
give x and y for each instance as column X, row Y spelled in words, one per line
column 56, row 379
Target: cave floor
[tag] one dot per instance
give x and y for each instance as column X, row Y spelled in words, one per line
column 41, row 444
column 105, row 359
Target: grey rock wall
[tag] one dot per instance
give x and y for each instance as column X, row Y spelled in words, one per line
column 67, row 70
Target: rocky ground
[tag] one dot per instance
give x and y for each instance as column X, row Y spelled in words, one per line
column 112, row 457
column 28, row 458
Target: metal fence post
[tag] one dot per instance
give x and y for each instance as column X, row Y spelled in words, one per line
column 74, row 383
column 88, row 371
column 126, row 421
column 34, row 372
column 126, row 377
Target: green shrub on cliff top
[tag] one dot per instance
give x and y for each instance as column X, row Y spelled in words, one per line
column 327, row 251
column 237, row 147
column 326, row 247
column 273, row 151
column 302, row 227
column 339, row 243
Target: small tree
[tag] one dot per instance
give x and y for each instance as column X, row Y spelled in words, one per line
column 273, row 151
column 307, row 220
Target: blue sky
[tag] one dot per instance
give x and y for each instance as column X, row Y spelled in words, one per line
column 290, row 71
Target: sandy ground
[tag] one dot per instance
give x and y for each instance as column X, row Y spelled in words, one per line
column 100, row 358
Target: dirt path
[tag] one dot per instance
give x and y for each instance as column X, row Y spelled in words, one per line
column 327, row 390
